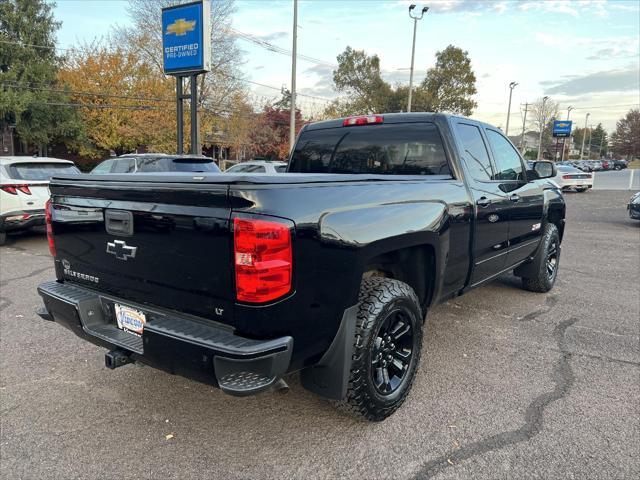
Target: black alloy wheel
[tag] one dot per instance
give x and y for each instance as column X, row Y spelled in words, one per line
column 552, row 261
column 391, row 353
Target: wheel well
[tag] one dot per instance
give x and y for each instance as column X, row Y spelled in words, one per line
column 555, row 216
column 414, row 266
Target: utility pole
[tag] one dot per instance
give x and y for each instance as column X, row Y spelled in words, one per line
column 562, row 155
column 512, row 85
column 586, row 119
column 524, row 124
column 292, row 119
column 413, row 49
column 544, row 101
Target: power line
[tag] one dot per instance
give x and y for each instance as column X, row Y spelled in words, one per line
column 274, row 48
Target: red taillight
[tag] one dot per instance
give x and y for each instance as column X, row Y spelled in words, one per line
column 14, row 189
column 566, row 177
column 263, row 259
column 47, row 219
column 362, row 120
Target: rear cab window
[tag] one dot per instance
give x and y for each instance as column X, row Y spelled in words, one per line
column 40, row 170
column 387, row 149
column 169, row 164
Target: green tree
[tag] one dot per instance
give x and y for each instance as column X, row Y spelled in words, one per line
column 599, row 141
column 358, row 76
column 451, row 84
column 448, row 87
column 625, row 141
column 29, row 98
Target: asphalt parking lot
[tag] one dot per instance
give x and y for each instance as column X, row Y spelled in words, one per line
column 512, row 384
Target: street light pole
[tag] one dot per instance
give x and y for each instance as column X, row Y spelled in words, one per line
column 292, row 118
column 413, row 49
column 586, row 119
column 562, row 155
column 512, row 85
column 524, row 123
column 544, row 101
column 590, row 135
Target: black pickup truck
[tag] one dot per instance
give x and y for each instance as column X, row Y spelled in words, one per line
column 327, row 270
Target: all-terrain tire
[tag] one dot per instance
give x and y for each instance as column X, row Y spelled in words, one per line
column 381, row 301
column 543, row 278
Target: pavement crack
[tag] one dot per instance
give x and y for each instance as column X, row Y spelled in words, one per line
column 550, row 302
column 563, row 378
column 4, row 283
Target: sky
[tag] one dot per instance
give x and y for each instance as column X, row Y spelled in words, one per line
column 581, row 53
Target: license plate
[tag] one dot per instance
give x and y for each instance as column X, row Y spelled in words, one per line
column 129, row 319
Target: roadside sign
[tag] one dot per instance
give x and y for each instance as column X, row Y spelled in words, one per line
column 186, row 38
column 562, row 128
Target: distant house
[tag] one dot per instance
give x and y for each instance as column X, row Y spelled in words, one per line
column 530, row 141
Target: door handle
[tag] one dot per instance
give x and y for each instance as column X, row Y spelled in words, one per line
column 483, row 202
column 514, row 198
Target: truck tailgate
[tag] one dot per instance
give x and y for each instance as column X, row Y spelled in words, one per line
column 147, row 242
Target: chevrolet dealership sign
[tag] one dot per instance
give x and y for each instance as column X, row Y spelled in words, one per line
column 562, row 128
column 186, row 38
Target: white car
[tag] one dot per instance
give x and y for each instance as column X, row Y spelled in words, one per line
column 258, row 166
column 24, row 189
column 570, row 177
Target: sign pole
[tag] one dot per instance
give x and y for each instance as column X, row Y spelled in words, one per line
column 179, row 114
column 194, row 115
column 186, row 47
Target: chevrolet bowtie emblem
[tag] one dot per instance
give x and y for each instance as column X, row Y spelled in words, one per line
column 181, row 27
column 121, row 250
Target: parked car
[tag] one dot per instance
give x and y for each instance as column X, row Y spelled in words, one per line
column 619, row 164
column 258, row 166
column 596, row 165
column 583, row 165
column 634, row 206
column 24, row 190
column 571, row 177
column 606, row 164
column 156, row 162
column 236, row 280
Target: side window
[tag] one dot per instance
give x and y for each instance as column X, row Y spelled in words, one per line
column 258, row 169
column 281, row 169
column 150, row 165
column 104, row 167
column 125, row 165
column 477, row 156
column 507, row 159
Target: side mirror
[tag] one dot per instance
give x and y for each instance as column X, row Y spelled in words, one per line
column 545, row 169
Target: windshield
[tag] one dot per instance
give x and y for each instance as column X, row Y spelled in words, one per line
column 40, row 171
column 392, row 149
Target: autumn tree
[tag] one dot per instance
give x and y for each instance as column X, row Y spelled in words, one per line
column 625, row 141
column 126, row 103
column 270, row 136
column 30, row 98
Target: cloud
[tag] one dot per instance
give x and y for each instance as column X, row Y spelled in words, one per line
column 270, row 37
column 568, row 7
column 625, row 51
column 607, row 81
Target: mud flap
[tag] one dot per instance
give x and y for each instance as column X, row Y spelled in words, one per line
column 330, row 377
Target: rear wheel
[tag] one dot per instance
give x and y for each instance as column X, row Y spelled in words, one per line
column 546, row 262
column 582, row 189
column 618, row 167
column 3, row 238
column 386, row 349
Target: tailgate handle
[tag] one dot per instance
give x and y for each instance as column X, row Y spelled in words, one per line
column 118, row 222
